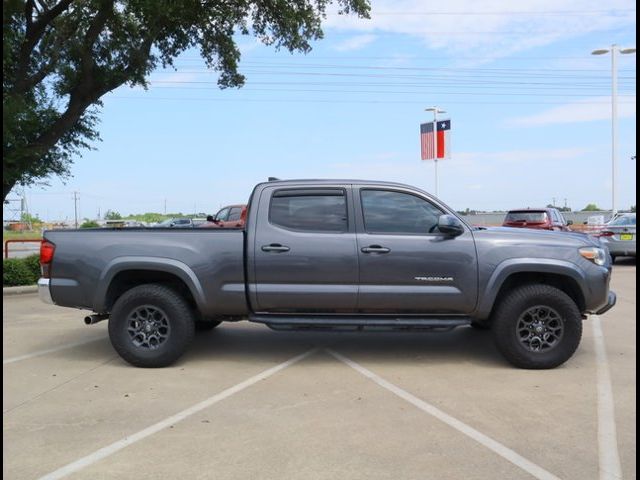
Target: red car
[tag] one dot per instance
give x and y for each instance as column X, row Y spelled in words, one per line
column 231, row 216
column 539, row 218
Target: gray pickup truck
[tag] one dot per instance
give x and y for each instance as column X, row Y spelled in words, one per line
column 333, row 254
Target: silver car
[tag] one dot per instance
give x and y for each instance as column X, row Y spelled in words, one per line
column 619, row 235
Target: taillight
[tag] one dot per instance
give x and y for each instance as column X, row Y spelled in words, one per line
column 605, row 234
column 47, row 249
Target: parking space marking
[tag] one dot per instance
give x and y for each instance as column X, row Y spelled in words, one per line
column 167, row 422
column 609, row 458
column 39, row 353
column 493, row 445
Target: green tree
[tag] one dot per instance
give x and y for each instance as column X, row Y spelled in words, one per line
column 111, row 215
column 633, row 208
column 592, row 207
column 61, row 56
column 89, row 224
column 32, row 219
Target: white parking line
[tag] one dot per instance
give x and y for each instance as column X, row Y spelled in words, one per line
column 607, row 438
column 178, row 417
column 49, row 350
column 497, row 447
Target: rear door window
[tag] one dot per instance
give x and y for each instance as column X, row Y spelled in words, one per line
column 313, row 210
column 234, row 214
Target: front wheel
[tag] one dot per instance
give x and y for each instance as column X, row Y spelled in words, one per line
column 151, row 326
column 537, row 327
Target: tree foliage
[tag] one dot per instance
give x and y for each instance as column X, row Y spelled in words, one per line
column 591, row 207
column 112, row 215
column 61, row 56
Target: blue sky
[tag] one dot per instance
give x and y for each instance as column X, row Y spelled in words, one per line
column 530, row 111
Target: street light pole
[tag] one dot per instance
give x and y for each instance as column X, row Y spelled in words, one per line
column 614, row 113
column 614, row 126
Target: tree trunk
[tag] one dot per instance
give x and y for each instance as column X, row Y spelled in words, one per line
column 7, row 185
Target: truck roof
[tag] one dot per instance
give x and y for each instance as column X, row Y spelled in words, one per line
column 329, row 181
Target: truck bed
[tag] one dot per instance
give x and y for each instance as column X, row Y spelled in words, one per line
column 210, row 262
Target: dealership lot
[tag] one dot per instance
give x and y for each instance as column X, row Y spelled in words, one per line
column 246, row 402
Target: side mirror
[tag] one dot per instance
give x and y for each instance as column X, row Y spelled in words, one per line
column 210, row 218
column 569, row 222
column 450, row 225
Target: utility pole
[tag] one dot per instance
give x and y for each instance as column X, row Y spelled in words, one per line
column 565, row 203
column 553, row 202
column 75, row 208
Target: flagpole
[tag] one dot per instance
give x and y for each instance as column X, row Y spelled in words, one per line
column 435, row 143
column 435, row 111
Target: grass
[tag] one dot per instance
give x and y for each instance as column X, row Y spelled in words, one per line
column 9, row 235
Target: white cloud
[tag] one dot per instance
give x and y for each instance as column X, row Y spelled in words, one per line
column 596, row 108
column 486, row 34
column 354, row 43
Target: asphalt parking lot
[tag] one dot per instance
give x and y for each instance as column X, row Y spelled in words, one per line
column 246, row 402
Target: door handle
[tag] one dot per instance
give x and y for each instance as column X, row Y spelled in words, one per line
column 275, row 247
column 375, row 249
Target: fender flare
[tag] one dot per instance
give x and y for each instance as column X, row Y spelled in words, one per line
column 152, row 264
column 526, row 265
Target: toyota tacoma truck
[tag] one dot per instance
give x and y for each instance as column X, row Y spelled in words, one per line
column 332, row 254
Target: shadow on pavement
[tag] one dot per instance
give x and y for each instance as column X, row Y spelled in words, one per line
column 625, row 262
column 249, row 343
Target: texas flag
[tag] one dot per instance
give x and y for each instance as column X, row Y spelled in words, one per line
column 428, row 141
column 444, row 139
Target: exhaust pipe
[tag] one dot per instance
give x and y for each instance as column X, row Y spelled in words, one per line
column 95, row 318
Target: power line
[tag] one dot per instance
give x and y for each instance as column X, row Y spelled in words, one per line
column 611, row 12
column 438, row 92
column 336, row 101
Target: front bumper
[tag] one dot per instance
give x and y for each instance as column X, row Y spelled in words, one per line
column 43, row 290
column 611, row 301
column 620, row 247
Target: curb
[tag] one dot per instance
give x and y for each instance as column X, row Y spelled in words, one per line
column 21, row 290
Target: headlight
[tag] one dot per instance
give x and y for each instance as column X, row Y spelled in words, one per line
column 596, row 255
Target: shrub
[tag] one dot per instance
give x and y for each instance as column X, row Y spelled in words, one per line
column 90, row 224
column 20, row 271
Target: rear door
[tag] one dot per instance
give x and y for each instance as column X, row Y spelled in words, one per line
column 406, row 264
column 304, row 251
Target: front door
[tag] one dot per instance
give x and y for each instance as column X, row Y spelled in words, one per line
column 406, row 264
column 304, row 254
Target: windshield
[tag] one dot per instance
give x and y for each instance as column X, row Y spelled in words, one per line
column 529, row 217
column 625, row 220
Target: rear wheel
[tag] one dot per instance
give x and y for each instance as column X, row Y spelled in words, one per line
column 537, row 327
column 151, row 326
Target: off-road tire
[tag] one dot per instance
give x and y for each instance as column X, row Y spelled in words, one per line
column 507, row 317
column 177, row 315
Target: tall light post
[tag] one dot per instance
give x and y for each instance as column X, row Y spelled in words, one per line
column 614, row 49
column 435, row 111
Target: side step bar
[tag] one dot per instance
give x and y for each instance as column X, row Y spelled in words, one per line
column 357, row 323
